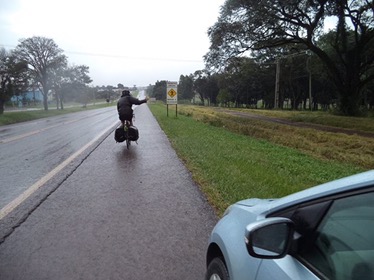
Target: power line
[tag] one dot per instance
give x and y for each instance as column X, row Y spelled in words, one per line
column 133, row 58
column 122, row 56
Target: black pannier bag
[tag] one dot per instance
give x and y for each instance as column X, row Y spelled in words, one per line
column 133, row 133
column 119, row 134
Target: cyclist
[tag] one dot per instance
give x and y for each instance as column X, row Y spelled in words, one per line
column 124, row 106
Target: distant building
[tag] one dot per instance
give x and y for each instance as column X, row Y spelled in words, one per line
column 27, row 97
column 35, row 95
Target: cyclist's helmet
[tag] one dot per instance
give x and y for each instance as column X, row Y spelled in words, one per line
column 125, row 92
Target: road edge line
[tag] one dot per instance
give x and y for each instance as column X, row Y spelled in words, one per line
column 7, row 209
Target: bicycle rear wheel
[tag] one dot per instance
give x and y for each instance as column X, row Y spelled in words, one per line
column 128, row 142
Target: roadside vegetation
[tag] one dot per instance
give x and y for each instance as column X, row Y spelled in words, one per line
column 264, row 55
column 357, row 150
column 233, row 158
column 28, row 115
column 318, row 117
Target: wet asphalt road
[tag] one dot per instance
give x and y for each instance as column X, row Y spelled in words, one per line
column 116, row 214
column 30, row 150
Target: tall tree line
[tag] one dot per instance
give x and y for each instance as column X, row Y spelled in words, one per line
column 267, row 29
column 279, row 52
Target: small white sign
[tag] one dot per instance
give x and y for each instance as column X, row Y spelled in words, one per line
column 171, row 93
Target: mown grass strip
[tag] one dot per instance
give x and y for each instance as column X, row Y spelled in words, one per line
column 230, row 166
column 353, row 149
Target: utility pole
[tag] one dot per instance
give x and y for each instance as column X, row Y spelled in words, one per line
column 310, row 80
column 277, row 74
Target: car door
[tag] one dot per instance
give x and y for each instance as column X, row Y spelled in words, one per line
column 343, row 245
column 334, row 240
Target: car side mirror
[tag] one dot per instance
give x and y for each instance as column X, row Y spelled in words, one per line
column 270, row 238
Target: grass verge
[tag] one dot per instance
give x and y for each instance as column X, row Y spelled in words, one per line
column 340, row 147
column 22, row 116
column 230, row 166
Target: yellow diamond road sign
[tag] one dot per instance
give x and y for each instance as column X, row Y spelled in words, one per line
column 172, row 93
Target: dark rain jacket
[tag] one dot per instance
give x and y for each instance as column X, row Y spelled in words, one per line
column 124, row 106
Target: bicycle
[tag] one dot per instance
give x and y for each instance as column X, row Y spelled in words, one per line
column 131, row 132
column 126, row 127
column 126, row 132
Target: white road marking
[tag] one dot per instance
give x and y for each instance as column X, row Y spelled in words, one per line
column 26, row 194
column 34, row 132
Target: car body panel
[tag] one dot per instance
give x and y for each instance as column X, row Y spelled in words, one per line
column 274, row 269
column 231, row 243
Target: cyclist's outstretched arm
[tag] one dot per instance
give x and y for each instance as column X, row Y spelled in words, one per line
column 136, row 101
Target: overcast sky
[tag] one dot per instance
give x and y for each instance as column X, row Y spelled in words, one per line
column 133, row 42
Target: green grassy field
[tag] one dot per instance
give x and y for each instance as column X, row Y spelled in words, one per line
column 340, row 147
column 238, row 162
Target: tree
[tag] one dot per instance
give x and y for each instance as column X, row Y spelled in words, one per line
column 185, row 87
column 57, row 79
column 78, row 81
column 242, row 81
column 206, row 86
column 70, row 80
column 200, row 84
column 42, row 56
column 212, row 88
column 224, row 97
column 13, row 77
column 149, row 90
column 159, row 90
column 294, row 86
column 262, row 24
